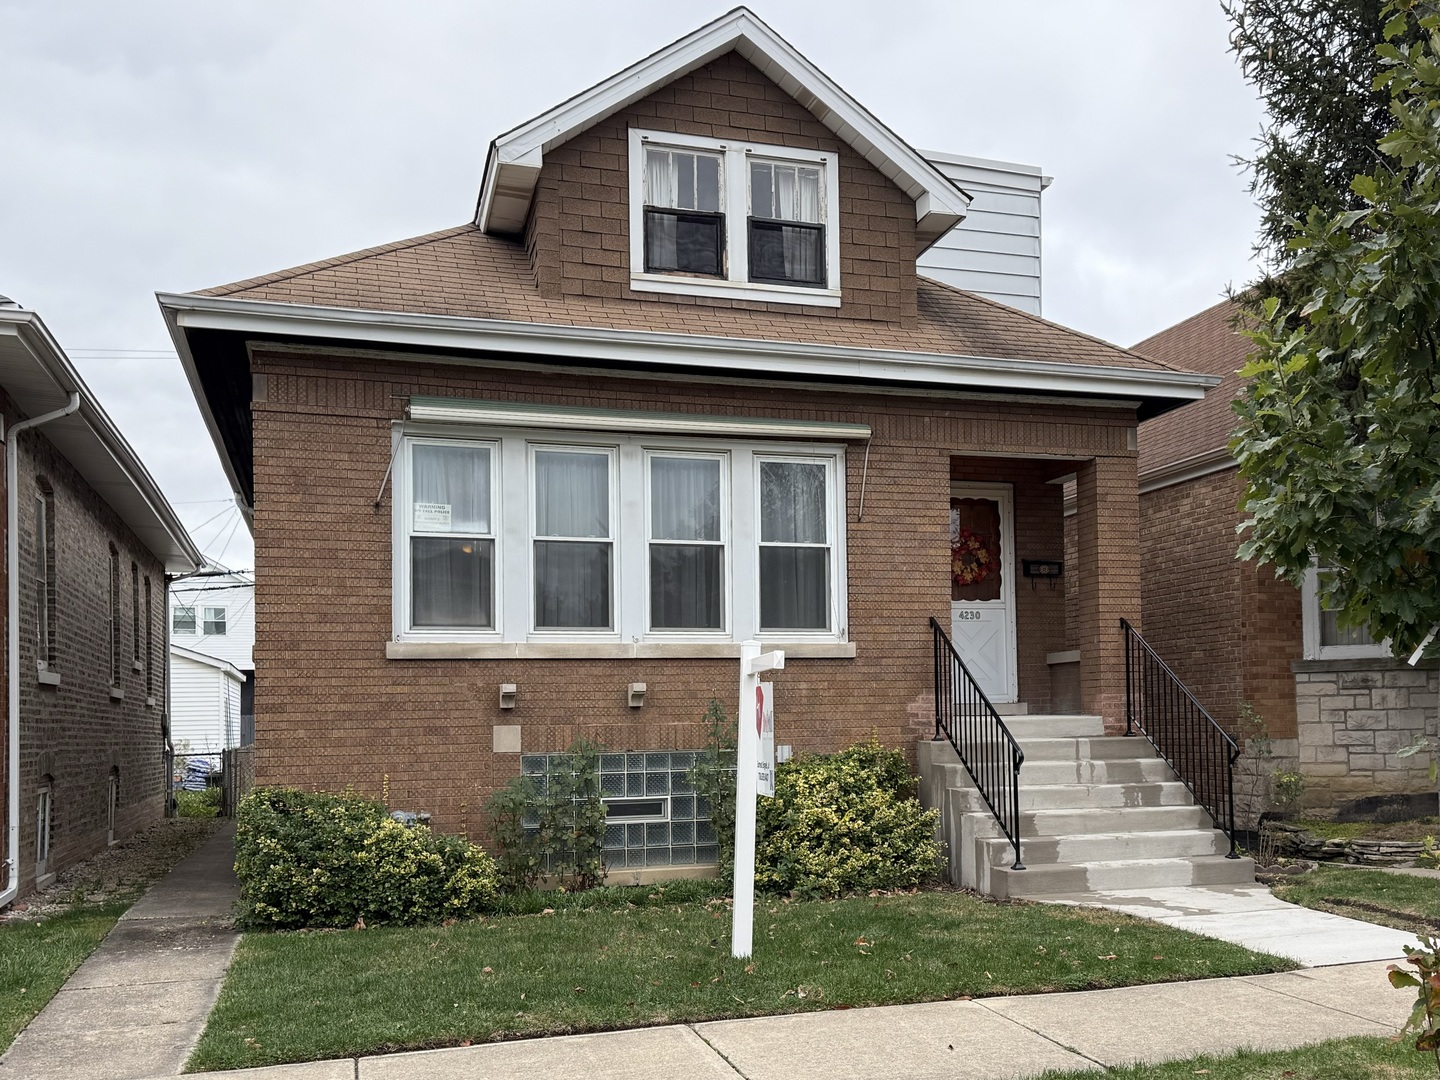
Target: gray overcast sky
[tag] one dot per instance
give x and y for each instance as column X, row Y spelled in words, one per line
column 165, row 146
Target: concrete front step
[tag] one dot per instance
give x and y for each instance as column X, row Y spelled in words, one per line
column 1083, row 821
column 1102, row 796
column 1106, row 847
column 1041, row 881
column 1054, row 726
column 1150, row 770
column 1106, row 748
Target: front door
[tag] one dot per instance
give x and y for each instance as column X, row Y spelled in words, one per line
column 982, row 585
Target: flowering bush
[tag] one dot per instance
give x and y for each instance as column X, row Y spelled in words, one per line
column 845, row 823
column 318, row 859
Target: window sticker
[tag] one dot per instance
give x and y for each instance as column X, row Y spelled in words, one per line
column 432, row 516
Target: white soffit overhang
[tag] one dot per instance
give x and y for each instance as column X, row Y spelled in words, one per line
column 734, row 357
column 39, row 378
column 512, row 166
column 514, row 414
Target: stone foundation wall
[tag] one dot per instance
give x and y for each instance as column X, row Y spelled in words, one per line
column 1353, row 718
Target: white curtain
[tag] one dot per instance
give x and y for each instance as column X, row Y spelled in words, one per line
column 451, row 582
column 686, row 580
column 659, row 191
column 450, row 488
column 794, row 580
column 572, row 578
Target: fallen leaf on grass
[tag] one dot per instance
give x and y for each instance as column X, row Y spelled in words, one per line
column 1110, row 956
column 488, row 970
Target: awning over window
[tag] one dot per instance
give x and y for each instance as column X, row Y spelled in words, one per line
column 510, row 414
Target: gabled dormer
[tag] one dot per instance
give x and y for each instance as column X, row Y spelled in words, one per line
column 725, row 168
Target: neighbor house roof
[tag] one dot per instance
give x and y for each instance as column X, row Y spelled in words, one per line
column 1195, row 435
column 227, row 669
column 39, row 378
column 512, row 167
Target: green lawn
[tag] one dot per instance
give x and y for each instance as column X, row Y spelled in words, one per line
column 1364, row 1058
column 37, row 957
column 312, row 995
column 1399, row 900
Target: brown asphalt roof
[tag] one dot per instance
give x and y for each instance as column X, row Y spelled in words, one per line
column 1206, row 342
column 466, row 272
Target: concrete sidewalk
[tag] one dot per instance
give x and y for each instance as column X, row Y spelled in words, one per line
column 137, row 1005
column 953, row 1040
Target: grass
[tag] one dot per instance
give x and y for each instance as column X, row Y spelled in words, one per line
column 592, row 966
column 37, row 957
column 1361, row 1058
column 198, row 804
column 1403, row 901
column 1412, row 830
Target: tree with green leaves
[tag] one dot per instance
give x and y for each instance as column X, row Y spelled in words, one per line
column 1339, row 437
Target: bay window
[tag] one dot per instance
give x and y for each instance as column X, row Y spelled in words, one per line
column 614, row 541
column 715, row 217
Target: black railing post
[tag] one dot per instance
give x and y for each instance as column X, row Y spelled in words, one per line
column 1129, row 694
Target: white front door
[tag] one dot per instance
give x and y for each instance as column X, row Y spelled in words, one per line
column 982, row 585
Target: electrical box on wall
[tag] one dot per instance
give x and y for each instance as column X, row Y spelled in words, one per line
column 1042, row 568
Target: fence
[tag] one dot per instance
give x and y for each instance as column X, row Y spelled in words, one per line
column 238, row 771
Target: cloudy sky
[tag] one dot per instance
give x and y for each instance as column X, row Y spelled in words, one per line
column 153, row 146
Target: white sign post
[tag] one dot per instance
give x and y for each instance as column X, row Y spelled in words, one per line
column 756, row 704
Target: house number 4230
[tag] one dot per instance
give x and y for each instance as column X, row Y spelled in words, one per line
column 967, row 616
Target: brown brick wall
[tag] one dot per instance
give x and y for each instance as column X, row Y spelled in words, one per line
column 332, row 710
column 579, row 228
column 75, row 732
column 1228, row 629
column 1107, row 573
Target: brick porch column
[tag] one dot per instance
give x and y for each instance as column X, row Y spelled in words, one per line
column 1107, row 520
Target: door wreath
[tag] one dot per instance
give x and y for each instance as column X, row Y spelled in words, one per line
column 971, row 561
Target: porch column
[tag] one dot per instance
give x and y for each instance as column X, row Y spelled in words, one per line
column 1107, row 520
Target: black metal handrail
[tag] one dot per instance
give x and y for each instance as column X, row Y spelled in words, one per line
column 1162, row 708
column 990, row 754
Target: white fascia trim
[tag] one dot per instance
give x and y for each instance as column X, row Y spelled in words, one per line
column 48, row 354
column 209, row 661
column 515, row 157
column 509, row 414
column 1191, row 468
column 730, row 356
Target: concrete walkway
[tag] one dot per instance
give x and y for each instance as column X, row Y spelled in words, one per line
column 954, row 1040
column 137, row 1006
column 1251, row 915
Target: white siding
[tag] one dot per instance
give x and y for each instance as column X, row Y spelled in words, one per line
column 199, row 695
column 995, row 251
column 236, row 594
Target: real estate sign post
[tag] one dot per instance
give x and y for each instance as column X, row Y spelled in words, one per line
column 756, row 719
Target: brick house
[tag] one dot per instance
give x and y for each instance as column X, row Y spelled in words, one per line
column 677, row 385
column 90, row 544
column 1335, row 702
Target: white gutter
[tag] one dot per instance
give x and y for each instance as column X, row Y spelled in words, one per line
column 731, row 356
column 12, row 638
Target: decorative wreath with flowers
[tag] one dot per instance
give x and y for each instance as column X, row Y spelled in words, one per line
column 970, row 559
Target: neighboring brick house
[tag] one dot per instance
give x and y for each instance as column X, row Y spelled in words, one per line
column 90, row 543
column 1333, row 700
column 678, row 385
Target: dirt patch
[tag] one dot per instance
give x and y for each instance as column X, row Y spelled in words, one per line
column 119, row 873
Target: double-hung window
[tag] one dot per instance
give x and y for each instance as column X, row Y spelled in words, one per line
column 574, row 549
column 1324, row 637
column 450, row 521
column 686, row 542
column 794, row 545
column 214, row 624
column 554, row 538
column 712, row 217
column 182, row 620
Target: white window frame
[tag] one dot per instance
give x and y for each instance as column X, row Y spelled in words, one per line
column 735, row 203
column 1310, row 623
column 403, row 531
column 206, row 621
column 612, row 453
column 727, row 549
column 194, row 617
column 513, row 504
column 832, row 532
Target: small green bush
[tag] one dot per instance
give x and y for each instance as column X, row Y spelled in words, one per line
column 323, row 860
column 552, row 824
column 845, row 823
column 198, row 803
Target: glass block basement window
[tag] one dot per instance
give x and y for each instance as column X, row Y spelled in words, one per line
column 654, row 817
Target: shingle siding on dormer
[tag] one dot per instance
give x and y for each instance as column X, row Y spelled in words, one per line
column 578, row 233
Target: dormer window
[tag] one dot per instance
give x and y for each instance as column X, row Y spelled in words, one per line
column 734, row 219
column 684, row 225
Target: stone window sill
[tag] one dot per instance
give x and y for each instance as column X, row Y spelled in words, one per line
column 48, row 678
column 463, row 650
column 116, row 694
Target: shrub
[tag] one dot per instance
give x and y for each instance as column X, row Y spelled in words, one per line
column 198, row 803
column 325, row 860
column 553, row 824
column 845, row 823
column 713, row 778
